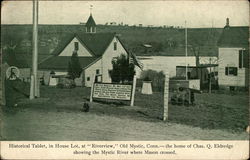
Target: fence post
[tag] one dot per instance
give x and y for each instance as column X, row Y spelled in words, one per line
column 92, row 88
column 166, row 93
column 4, row 67
column 133, row 91
column 38, row 87
column 32, row 96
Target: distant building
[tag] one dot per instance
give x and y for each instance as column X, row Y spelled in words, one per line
column 147, row 48
column 112, row 23
column 233, row 51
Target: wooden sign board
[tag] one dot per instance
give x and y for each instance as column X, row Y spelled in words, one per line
column 112, row 91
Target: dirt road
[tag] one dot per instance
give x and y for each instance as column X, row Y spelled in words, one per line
column 30, row 124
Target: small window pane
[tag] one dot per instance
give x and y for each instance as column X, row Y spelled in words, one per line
column 76, row 46
column 97, row 71
column 115, row 45
column 232, row 71
column 88, row 78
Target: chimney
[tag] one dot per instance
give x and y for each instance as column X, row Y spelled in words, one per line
column 227, row 23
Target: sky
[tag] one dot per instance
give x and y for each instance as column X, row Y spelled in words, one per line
column 198, row 14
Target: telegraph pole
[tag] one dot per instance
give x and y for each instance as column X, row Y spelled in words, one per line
column 210, row 82
column 186, row 49
column 34, row 84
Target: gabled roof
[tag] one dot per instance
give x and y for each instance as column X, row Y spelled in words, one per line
column 90, row 22
column 234, row 37
column 21, row 60
column 96, row 43
column 61, row 62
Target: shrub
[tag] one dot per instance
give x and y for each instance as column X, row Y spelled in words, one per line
column 157, row 79
column 64, row 82
column 74, row 67
column 122, row 71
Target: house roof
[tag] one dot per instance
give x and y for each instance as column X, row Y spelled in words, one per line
column 61, row 62
column 147, row 45
column 200, row 66
column 90, row 22
column 23, row 60
column 96, row 43
column 234, row 37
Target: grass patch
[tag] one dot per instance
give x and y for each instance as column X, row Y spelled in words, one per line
column 212, row 111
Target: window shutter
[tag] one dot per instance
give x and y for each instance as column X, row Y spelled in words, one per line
column 245, row 59
column 235, row 71
column 240, row 58
column 226, row 71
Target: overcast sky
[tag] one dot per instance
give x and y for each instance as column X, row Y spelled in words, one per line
column 171, row 13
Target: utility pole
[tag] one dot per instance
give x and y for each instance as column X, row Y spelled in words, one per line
column 186, row 49
column 34, row 84
column 210, row 85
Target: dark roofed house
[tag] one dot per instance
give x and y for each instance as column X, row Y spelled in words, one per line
column 233, row 51
column 95, row 51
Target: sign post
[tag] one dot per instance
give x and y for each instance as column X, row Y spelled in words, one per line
column 166, row 93
column 133, row 91
column 32, row 96
column 92, row 88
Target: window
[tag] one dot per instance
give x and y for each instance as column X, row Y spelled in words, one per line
column 92, row 29
column 76, row 46
column 88, row 78
column 231, row 71
column 97, row 71
column 189, row 75
column 243, row 59
column 88, row 30
column 115, row 46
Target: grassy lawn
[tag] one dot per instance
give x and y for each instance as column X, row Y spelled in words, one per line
column 57, row 116
column 213, row 111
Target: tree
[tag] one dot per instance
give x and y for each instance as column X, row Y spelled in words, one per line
column 196, row 41
column 122, row 70
column 74, row 67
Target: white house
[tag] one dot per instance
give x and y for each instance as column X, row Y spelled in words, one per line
column 95, row 52
column 233, row 54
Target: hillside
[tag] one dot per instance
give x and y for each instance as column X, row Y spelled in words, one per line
column 164, row 41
